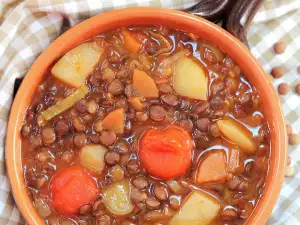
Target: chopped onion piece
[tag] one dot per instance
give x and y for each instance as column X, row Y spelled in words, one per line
column 174, row 186
column 167, row 45
column 165, row 68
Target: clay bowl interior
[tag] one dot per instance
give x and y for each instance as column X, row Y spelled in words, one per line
column 149, row 16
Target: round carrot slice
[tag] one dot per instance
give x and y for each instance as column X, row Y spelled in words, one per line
column 71, row 188
column 167, row 153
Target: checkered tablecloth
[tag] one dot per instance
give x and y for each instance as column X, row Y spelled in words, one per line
column 27, row 27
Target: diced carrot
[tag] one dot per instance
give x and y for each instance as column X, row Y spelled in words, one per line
column 115, row 121
column 72, row 188
column 167, row 153
column 234, row 163
column 131, row 43
column 144, row 84
column 213, row 168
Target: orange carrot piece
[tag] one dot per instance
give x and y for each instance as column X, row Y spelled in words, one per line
column 72, row 188
column 131, row 43
column 144, row 84
column 213, row 168
column 166, row 153
column 115, row 121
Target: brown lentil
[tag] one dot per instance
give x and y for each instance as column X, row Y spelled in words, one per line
column 157, row 113
column 132, row 166
column 277, row 72
column 121, row 147
column 170, row 99
column 140, row 182
column 165, row 88
column 297, row 89
column 107, row 138
column 202, row 124
column 112, row 157
column 152, row 203
column 186, row 124
column 85, row 209
column 279, row 47
column 161, row 192
column 294, row 139
column 115, row 87
column 79, row 140
column 78, row 124
column 214, row 130
column 48, row 135
column 174, row 203
column 283, row 88
column 25, row 131
column 61, row 127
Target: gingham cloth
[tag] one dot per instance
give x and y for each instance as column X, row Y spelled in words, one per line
column 29, row 26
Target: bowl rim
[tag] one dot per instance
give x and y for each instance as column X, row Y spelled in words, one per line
column 136, row 16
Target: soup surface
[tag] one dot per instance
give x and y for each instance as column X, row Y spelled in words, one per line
column 145, row 125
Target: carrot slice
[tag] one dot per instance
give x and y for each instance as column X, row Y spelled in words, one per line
column 166, row 153
column 115, row 121
column 144, row 84
column 131, row 43
column 213, row 168
column 71, row 188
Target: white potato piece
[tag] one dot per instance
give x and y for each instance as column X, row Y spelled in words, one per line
column 74, row 67
column 198, row 209
column 117, row 198
column 92, row 158
column 190, row 79
column 237, row 134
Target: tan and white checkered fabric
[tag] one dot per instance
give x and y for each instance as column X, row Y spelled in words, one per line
column 280, row 20
column 27, row 27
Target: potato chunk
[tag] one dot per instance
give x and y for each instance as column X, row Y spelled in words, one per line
column 198, row 209
column 115, row 121
column 213, row 168
column 117, row 198
column 190, row 79
column 92, row 158
column 74, row 67
column 144, row 84
column 237, row 134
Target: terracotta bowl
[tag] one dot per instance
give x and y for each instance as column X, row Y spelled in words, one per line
column 149, row 16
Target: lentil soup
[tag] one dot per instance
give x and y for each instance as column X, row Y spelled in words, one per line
column 145, row 125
